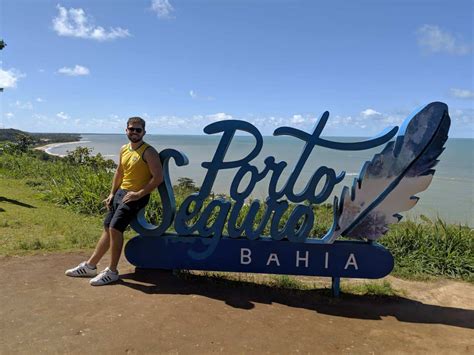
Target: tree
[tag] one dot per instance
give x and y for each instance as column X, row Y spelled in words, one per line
column 23, row 142
column 185, row 185
column 78, row 156
column 82, row 156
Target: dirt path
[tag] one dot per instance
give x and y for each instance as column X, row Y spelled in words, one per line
column 41, row 310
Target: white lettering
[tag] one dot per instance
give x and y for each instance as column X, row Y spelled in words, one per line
column 273, row 257
column 326, row 260
column 351, row 261
column 245, row 258
column 305, row 259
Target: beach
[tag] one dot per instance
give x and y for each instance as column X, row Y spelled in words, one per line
column 47, row 148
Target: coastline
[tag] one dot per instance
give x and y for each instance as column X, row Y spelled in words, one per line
column 47, row 147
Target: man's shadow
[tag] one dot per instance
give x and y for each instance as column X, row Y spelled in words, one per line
column 242, row 294
column 15, row 202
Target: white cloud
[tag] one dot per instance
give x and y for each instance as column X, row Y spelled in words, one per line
column 23, row 105
column 368, row 120
column 75, row 23
column 435, row 40
column 39, row 99
column 78, row 70
column 219, row 116
column 9, row 78
column 9, row 115
column 162, row 8
column 462, row 94
column 297, row 119
column 370, row 112
column 463, row 116
column 62, row 116
column 195, row 96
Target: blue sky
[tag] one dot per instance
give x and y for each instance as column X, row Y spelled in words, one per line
column 86, row 66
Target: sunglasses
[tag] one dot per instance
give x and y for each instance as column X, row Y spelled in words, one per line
column 133, row 129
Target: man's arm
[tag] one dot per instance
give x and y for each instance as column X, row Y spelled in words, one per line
column 154, row 164
column 116, row 182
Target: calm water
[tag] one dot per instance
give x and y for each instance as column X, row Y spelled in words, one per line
column 450, row 195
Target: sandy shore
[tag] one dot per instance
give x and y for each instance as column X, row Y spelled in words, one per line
column 47, row 148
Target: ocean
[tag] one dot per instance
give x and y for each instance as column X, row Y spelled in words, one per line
column 450, row 195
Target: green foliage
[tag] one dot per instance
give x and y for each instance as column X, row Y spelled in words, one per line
column 20, row 144
column 431, row 248
column 371, row 288
column 23, row 142
column 185, row 186
column 9, row 134
column 288, row 282
column 81, row 187
column 81, row 156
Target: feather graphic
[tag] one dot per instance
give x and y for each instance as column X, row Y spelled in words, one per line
column 386, row 185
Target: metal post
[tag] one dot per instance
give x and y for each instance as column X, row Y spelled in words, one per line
column 335, row 286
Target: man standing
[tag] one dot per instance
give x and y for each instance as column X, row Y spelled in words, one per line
column 138, row 173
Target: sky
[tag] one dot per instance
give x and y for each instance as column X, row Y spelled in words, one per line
column 86, row 66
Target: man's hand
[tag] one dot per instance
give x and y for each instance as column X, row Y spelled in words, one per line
column 131, row 196
column 108, row 201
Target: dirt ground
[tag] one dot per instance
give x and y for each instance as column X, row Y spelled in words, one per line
column 43, row 311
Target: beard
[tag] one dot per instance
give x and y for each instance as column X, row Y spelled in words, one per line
column 134, row 138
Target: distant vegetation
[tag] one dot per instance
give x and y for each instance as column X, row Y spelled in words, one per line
column 35, row 139
column 81, row 181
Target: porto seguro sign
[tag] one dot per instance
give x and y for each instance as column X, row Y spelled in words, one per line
column 385, row 186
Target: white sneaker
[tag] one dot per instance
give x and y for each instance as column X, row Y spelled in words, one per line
column 82, row 270
column 105, row 277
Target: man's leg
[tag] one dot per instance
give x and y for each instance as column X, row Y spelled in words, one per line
column 101, row 248
column 116, row 244
column 89, row 268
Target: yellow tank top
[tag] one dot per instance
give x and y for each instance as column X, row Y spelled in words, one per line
column 135, row 171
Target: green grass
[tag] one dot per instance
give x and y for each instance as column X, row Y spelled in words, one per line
column 430, row 249
column 371, row 288
column 30, row 224
column 292, row 283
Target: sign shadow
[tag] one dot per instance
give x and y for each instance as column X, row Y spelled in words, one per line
column 244, row 295
column 14, row 202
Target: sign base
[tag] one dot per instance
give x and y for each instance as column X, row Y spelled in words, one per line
column 351, row 259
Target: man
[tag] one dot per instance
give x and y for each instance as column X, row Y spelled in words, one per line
column 138, row 173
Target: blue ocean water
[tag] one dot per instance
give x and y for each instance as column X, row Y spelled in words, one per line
column 450, row 195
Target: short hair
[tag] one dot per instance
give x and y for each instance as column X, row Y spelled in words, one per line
column 136, row 120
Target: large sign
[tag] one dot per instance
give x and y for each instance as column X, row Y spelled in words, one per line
column 213, row 234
